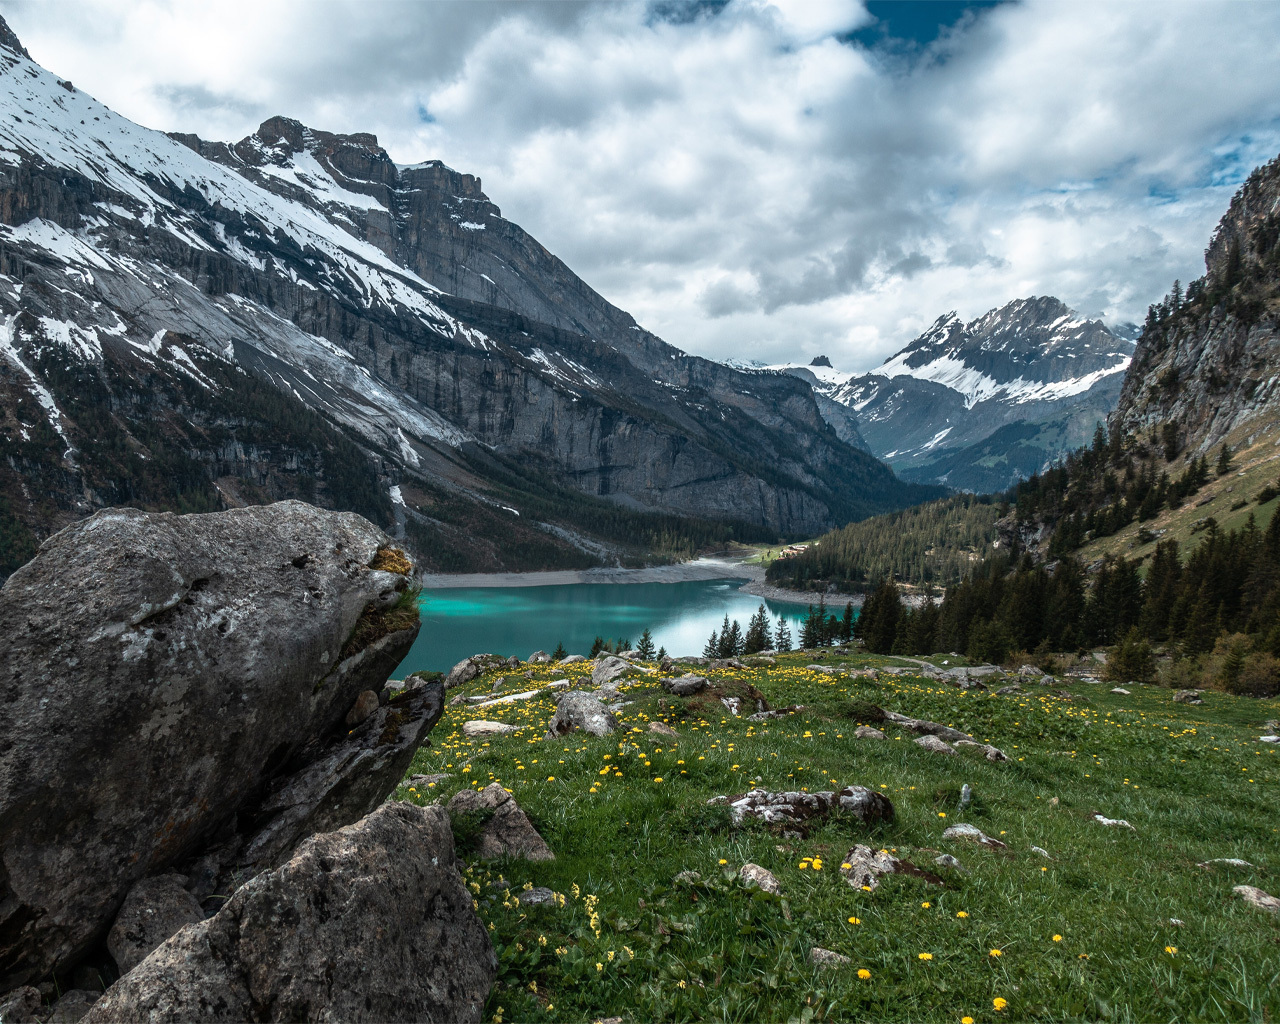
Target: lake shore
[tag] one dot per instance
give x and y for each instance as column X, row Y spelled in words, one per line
column 681, row 572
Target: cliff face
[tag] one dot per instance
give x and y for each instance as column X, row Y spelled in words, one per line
column 194, row 325
column 1209, row 361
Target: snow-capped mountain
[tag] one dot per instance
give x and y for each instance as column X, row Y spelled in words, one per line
column 191, row 324
column 980, row 405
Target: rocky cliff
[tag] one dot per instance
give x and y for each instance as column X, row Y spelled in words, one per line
column 196, row 325
column 1208, row 360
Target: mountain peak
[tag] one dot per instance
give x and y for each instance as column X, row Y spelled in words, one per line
column 821, row 361
column 10, row 39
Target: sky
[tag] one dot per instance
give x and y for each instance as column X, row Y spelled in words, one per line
column 756, row 180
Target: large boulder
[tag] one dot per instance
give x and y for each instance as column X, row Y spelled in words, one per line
column 508, row 832
column 578, row 710
column 368, row 923
column 469, row 668
column 154, row 909
column 609, row 668
column 158, row 672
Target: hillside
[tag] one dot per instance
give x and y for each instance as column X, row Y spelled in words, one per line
column 195, row 325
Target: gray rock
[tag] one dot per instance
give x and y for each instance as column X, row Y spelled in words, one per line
column 988, row 751
column 479, row 727
column 754, row 874
column 927, row 728
column 687, row 878
column 1120, row 690
column 791, row 807
column 1269, row 739
column 1041, row 851
column 539, row 658
column 203, row 654
column 1187, row 697
column 72, row 1006
column 572, row 659
column 366, row 704
column 578, row 710
column 609, row 668
column 662, row 729
column 825, row 669
column 1252, row 895
column 369, row 923
column 966, row 796
column 1004, row 691
column 20, row 1006
column 863, row 867
column 509, row 832
column 1231, row 862
column 867, row 732
column 973, row 834
column 684, row 686
column 538, row 896
column 422, row 781
column 825, row 958
column 1102, row 819
column 154, row 909
column 469, row 668
column 945, row 860
column 935, row 745
column 759, row 661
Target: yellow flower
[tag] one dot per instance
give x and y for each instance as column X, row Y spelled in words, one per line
column 658, row 779
column 926, row 904
column 845, row 866
column 803, row 864
column 599, row 966
column 1057, row 938
column 551, row 778
column 723, row 861
column 966, row 1020
column 1083, row 956
column 855, row 920
column 999, row 1002
column 962, row 913
column 942, row 814
column 925, row 956
column 610, row 956
column 997, row 952
column 592, row 789
column 1171, row 950
column 863, row 973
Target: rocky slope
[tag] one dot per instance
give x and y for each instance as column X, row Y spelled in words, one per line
column 196, row 325
column 1208, row 361
column 981, row 405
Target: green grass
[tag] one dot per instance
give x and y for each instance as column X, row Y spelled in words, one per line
column 631, row 942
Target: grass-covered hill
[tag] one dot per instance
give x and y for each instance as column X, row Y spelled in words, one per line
column 1115, row 923
column 934, row 544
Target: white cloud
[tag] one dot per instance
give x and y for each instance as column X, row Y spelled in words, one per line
column 742, row 181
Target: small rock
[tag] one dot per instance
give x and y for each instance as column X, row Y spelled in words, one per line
column 820, row 957
column 479, row 727
column 1112, row 822
column 662, row 729
column 1006, row 690
column 948, row 861
column 1187, row 697
column 937, row 746
column 366, row 704
column 966, row 796
column 687, row 878
column 572, row 659
column 468, row 668
column 867, row 732
column 609, row 668
column 754, row 874
column 1253, row 896
column 920, row 725
column 539, row 658
column 72, row 1006
column 154, row 909
column 863, row 867
column 538, row 895
column 1042, row 851
column 784, row 808
column 578, row 710
column 734, row 704
column 1120, row 690
column 1176, row 922
column 1269, row 739
column 423, row 781
column 684, row 686
column 1231, row 862
column 498, row 684
column 558, row 684
column 973, row 834
column 989, row 752
column 20, row 1006
column 509, row 833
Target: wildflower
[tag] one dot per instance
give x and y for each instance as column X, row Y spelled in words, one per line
column 592, row 789
column 863, row 973
column 599, row 967
column 658, row 779
column 925, row 956
column 533, row 987
column 551, row 778
column 962, row 913
column 542, row 940
column 1083, row 956
column 855, row 920
column 1057, row 938
column 680, row 983
column 926, row 904
column 561, row 951
column 1171, row 950
column 845, row 866
column 966, row 1020
column 723, row 861
column 611, row 956
column 942, row 814
column 999, row 1002
column 997, row 952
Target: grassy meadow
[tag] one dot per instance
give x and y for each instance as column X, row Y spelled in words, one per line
column 1087, row 933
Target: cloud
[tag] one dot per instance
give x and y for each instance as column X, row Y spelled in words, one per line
column 747, row 178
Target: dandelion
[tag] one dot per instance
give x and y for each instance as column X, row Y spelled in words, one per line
column 942, row 814
column 1083, row 956
column 551, row 778
column 925, row 956
column 846, row 866
column 855, row 920
column 1057, row 938
column 966, row 1020
column 999, row 1002
column 926, row 904
column 996, row 952
column 1171, row 950
column 723, row 861
column 962, row 913
column 658, row 779
column 863, row 973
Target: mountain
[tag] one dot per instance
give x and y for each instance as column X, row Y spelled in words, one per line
column 195, row 325
column 981, row 405
column 1208, row 361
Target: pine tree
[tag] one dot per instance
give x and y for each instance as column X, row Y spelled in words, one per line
column 645, row 647
column 846, row 623
column 712, row 649
column 731, row 643
column 662, row 653
column 782, row 636
column 757, row 638
column 1224, row 459
column 597, row 645
column 808, row 638
column 559, row 654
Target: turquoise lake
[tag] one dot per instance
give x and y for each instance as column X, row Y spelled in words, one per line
column 457, row 623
